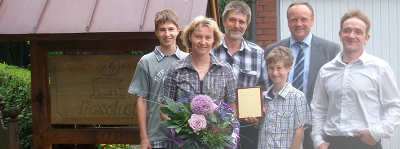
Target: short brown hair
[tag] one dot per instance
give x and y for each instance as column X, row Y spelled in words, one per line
column 300, row 3
column 280, row 53
column 356, row 13
column 202, row 21
column 166, row 15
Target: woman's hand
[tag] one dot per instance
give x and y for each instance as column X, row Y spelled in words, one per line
column 164, row 117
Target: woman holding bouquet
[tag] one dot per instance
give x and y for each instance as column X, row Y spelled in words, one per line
column 201, row 72
column 210, row 122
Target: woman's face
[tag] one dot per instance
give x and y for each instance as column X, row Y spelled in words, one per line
column 202, row 39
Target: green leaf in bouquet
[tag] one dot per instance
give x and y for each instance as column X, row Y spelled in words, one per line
column 186, row 143
column 224, row 124
column 178, row 129
column 213, row 118
column 187, row 130
column 211, row 139
column 184, row 137
column 215, row 147
column 167, row 123
column 180, row 93
column 225, row 143
column 196, row 145
column 175, row 117
column 227, row 138
column 170, row 102
column 165, row 110
column 171, row 111
column 178, row 121
column 173, row 126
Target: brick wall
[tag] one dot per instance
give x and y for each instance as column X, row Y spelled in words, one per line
column 266, row 22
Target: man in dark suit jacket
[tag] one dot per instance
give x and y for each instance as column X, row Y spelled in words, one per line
column 322, row 51
column 317, row 51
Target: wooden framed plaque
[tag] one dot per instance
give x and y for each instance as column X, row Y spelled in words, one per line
column 249, row 102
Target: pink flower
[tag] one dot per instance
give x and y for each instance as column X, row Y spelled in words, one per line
column 197, row 122
column 213, row 107
column 202, row 104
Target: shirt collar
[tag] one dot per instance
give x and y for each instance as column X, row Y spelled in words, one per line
column 306, row 40
column 283, row 92
column 159, row 55
column 186, row 62
column 242, row 46
column 364, row 57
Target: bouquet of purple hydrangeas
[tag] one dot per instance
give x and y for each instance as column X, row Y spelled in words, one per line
column 201, row 122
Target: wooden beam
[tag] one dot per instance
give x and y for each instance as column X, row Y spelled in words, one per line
column 78, row 36
column 99, row 45
column 40, row 96
column 214, row 10
column 94, row 136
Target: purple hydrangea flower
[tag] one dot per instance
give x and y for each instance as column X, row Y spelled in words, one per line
column 197, row 122
column 202, row 104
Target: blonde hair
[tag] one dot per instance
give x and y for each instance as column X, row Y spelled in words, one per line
column 280, row 53
column 201, row 21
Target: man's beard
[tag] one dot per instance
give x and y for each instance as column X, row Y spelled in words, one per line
column 235, row 36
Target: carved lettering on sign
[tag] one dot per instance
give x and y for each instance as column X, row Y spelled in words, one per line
column 116, row 108
column 109, row 137
column 108, row 88
column 92, row 89
column 108, row 68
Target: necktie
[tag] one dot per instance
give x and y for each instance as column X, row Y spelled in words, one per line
column 299, row 68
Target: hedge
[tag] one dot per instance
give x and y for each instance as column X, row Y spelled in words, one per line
column 15, row 86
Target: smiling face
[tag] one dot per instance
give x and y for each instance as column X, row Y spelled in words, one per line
column 278, row 73
column 300, row 20
column 202, row 39
column 354, row 35
column 167, row 33
column 235, row 24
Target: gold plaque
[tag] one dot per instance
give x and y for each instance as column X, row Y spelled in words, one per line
column 249, row 102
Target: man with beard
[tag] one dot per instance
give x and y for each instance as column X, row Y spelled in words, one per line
column 247, row 61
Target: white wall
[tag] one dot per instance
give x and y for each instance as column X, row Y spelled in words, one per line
column 385, row 31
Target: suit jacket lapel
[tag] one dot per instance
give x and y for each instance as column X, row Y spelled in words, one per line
column 286, row 43
column 315, row 60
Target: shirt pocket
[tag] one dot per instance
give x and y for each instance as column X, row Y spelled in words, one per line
column 248, row 77
column 284, row 119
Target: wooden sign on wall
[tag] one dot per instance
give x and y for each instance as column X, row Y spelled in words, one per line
column 92, row 89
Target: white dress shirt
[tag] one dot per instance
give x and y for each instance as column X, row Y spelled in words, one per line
column 354, row 97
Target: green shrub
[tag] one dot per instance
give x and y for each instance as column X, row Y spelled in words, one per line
column 15, row 86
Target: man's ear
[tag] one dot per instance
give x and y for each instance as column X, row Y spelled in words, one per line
column 367, row 38
column 223, row 21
